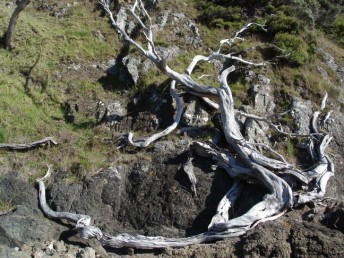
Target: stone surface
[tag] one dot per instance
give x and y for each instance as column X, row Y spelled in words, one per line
column 115, row 112
column 195, row 114
column 301, row 112
column 333, row 64
column 132, row 64
column 26, row 223
column 263, row 104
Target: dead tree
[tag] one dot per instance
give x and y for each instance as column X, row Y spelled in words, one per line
column 247, row 164
column 21, row 4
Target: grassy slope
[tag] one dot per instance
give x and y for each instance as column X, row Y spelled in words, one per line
column 28, row 116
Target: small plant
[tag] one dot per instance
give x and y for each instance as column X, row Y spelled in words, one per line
column 295, row 46
column 337, row 29
column 289, row 148
column 3, row 135
column 5, row 206
column 239, row 91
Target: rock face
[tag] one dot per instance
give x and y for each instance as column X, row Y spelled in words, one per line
column 335, row 66
column 301, row 113
column 263, row 104
column 150, row 194
column 335, row 128
column 132, row 65
column 26, row 223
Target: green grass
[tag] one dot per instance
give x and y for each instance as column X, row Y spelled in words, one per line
column 5, row 206
column 29, row 115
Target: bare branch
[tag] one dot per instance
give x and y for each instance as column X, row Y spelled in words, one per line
column 236, row 35
column 168, row 130
column 49, row 141
column 326, row 118
column 269, row 149
column 276, row 127
column 225, row 204
column 323, row 101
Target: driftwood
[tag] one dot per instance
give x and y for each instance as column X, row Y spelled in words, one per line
column 48, row 141
column 248, row 163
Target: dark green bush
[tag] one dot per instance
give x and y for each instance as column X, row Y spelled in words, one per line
column 211, row 12
column 220, row 23
column 294, row 46
column 337, row 29
column 311, row 42
column 281, row 23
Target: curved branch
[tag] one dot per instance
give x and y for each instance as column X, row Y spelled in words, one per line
column 319, row 188
column 274, row 204
column 225, row 204
column 48, row 211
column 276, row 127
column 165, row 132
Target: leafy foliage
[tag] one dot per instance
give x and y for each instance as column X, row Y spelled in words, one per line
column 282, row 23
column 337, row 29
column 295, row 46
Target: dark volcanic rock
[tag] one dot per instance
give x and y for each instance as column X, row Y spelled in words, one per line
column 26, row 223
column 312, row 240
column 151, row 195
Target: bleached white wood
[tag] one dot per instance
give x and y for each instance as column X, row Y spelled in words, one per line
column 248, row 163
column 48, row 141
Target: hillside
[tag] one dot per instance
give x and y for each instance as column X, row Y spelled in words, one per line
column 68, row 75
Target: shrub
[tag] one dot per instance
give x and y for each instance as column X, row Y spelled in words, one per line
column 284, row 24
column 337, row 29
column 212, row 12
column 295, row 46
column 220, row 23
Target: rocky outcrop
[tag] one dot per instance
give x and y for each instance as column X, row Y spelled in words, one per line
column 181, row 29
column 26, row 222
column 336, row 67
column 263, row 104
column 150, row 194
column 301, row 113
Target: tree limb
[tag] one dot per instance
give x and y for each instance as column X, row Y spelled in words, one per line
column 49, row 141
column 165, row 132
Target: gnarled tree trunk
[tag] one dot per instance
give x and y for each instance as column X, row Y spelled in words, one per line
column 21, row 4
